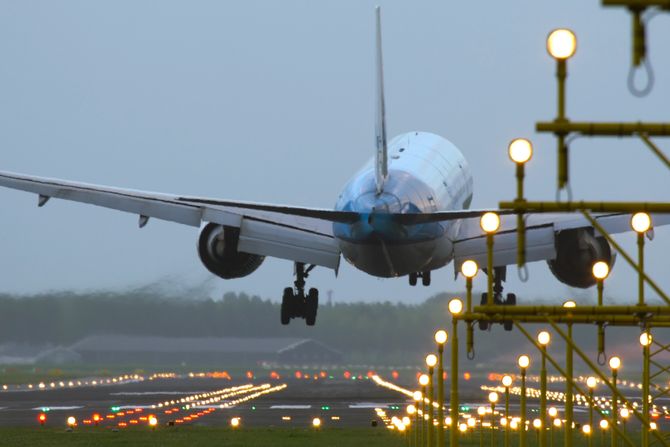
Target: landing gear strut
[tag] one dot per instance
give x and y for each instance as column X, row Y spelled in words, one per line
column 425, row 278
column 499, row 275
column 295, row 303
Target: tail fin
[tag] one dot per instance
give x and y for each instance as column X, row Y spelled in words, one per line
column 381, row 161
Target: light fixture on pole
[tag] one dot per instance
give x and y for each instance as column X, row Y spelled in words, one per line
column 507, row 382
column 601, row 270
column 615, row 364
column 591, row 383
column 431, row 361
column 520, row 151
column 469, row 269
column 455, row 308
column 543, row 339
column 493, row 398
column 641, row 223
column 561, row 45
column 440, row 338
column 645, row 341
column 569, row 370
column 423, row 381
column 524, row 362
column 489, row 222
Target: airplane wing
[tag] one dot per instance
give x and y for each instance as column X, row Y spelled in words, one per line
column 541, row 230
column 295, row 233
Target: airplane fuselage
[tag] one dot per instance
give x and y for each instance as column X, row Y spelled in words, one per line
column 426, row 174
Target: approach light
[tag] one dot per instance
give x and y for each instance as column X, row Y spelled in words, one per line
column 431, row 360
column 463, row 428
column 469, row 268
column 641, row 222
column 153, row 421
column 490, row 222
column 601, row 270
column 71, row 421
column 523, row 361
column 481, row 411
column 424, row 380
column 417, row 395
column 615, row 363
column 586, row 428
column 604, row 425
column 543, row 338
column 561, row 44
column 570, row 304
column 507, row 381
column 553, row 412
column 447, row 421
column 645, row 339
column 441, row 337
column 235, row 422
column 42, row 418
column 406, row 421
column 493, row 397
column 455, row 306
column 316, row 422
column 625, row 413
column 520, row 150
column 411, row 409
column 591, row 382
column 557, row 423
column 537, row 423
column 653, row 426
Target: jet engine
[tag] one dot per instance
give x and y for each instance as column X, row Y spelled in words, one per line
column 217, row 248
column 576, row 252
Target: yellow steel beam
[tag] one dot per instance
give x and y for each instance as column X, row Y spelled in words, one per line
column 604, row 129
column 655, row 149
column 598, row 207
column 625, row 255
column 579, row 310
column 575, row 385
column 611, row 320
column 642, row 418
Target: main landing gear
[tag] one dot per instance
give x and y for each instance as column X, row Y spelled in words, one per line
column 425, row 278
column 294, row 303
column 499, row 275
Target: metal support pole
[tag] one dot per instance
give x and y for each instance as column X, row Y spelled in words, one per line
column 543, row 398
column 417, row 427
column 601, row 327
column 645, row 393
column 493, row 423
column 640, row 283
column 520, row 224
column 431, row 398
column 615, row 409
column 453, row 397
column 561, row 75
column 522, row 428
column 424, row 434
column 569, row 401
column 507, row 418
column 593, row 429
column 470, row 332
column 440, row 395
column 489, row 268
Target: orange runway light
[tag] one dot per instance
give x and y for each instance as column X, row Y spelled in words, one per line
column 42, row 419
column 467, row 376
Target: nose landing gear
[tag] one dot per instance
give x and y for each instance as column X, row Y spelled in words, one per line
column 295, row 303
column 425, row 278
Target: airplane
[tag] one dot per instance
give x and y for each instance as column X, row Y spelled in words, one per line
column 405, row 213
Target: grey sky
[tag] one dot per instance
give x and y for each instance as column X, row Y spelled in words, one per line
column 273, row 101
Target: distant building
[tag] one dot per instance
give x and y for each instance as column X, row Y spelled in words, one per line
column 124, row 349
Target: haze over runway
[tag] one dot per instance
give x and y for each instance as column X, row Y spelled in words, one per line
column 273, row 102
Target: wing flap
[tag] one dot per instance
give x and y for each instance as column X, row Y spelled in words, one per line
column 268, row 239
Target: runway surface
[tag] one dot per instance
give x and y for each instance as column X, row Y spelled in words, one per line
column 209, row 401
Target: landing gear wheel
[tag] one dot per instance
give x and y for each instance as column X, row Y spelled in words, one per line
column 412, row 279
column 286, row 306
column 508, row 325
column 483, row 325
column 311, row 306
column 425, row 278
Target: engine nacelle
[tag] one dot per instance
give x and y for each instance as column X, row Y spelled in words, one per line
column 217, row 248
column 576, row 252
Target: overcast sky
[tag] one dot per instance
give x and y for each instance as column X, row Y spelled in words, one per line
column 273, row 101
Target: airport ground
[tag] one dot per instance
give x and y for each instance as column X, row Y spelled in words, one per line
column 277, row 411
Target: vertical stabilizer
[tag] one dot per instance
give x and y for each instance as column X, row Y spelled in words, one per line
column 381, row 159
